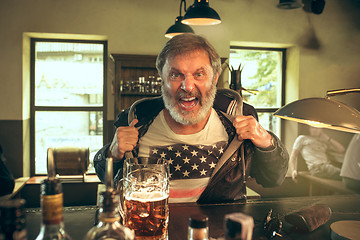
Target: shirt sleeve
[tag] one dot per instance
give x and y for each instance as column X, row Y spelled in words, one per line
column 299, row 142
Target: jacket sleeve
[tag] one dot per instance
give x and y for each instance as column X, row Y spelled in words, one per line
column 101, row 155
column 269, row 167
column 7, row 181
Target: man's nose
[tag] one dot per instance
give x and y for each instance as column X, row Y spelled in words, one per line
column 188, row 83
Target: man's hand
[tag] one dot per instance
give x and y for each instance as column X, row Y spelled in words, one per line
column 324, row 137
column 125, row 139
column 294, row 175
column 248, row 128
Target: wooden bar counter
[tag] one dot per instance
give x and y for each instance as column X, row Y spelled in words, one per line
column 78, row 220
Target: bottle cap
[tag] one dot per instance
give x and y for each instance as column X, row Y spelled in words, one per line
column 198, row 221
column 13, row 203
column 51, row 187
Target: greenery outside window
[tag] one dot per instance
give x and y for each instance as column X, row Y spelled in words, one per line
column 263, row 72
column 68, row 103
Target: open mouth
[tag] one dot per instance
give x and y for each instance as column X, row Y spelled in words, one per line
column 188, row 102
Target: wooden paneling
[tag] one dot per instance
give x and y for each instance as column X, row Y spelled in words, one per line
column 11, row 141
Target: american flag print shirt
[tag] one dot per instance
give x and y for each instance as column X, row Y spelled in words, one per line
column 191, row 158
column 190, row 167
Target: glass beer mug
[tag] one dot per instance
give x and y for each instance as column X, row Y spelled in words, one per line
column 144, row 191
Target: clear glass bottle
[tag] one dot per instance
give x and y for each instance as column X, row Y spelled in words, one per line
column 52, row 226
column 12, row 220
column 109, row 226
column 198, row 227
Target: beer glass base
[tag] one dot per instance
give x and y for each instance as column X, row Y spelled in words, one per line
column 162, row 237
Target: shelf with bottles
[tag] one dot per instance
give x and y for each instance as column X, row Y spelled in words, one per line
column 136, row 77
column 147, row 86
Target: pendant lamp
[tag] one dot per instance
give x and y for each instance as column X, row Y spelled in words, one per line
column 200, row 13
column 179, row 27
column 323, row 112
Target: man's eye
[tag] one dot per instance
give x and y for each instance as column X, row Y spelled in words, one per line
column 199, row 75
column 174, row 75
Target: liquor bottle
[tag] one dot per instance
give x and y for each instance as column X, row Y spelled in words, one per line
column 52, row 226
column 12, row 220
column 198, row 227
column 109, row 226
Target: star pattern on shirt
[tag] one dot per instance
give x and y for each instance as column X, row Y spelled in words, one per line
column 190, row 161
column 186, row 160
column 212, row 165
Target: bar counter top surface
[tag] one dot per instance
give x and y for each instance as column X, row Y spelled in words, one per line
column 79, row 219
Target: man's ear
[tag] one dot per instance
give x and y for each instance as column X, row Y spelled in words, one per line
column 217, row 78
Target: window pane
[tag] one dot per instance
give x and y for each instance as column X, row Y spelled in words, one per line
column 68, row 74
column 270, row 122
column 261, row 72
column 64, row 129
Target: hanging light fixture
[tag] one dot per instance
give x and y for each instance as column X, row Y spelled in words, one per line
column 200, row 13
column 179, row 27
column 289, row 4
column 323, row 112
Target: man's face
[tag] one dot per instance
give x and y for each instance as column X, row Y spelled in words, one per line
column 189, row 87
column 315, row 132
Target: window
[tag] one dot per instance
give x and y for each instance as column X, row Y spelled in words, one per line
column 262, row 72
column 67, row 97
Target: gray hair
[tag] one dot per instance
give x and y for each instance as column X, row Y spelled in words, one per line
column 186, row 43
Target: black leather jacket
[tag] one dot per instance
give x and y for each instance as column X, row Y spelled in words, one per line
column 267, row 166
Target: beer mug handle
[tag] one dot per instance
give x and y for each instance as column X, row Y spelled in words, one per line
column 121, row 207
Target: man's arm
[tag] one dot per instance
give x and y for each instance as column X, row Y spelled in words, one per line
column 7, row 181
column 270, row 158
column 125, row 139
column 269, row 167
column 293, row 164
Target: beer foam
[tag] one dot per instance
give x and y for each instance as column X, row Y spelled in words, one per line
column 147, row 196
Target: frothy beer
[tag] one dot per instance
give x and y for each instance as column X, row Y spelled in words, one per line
column 147, row 214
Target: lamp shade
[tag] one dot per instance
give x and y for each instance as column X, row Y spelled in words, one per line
column 322, row 112
column 200, row 13
column 178, row 28
column 289, row 4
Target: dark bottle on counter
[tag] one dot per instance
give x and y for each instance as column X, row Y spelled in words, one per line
column 12, row 220
column 52, row 226
column 198, row 227
column 238, row 226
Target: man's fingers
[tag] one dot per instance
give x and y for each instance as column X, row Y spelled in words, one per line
column 125, row 147
column 135, row 121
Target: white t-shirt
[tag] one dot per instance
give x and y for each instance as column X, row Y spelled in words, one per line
column 312, row 150
column 192, row 158
column 351, row 165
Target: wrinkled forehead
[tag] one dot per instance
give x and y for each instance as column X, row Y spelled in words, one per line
column 188, row 55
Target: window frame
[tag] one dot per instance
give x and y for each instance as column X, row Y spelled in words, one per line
column 283, row 78
column 34, row 109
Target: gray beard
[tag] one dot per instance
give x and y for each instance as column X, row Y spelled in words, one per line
column 186, row 117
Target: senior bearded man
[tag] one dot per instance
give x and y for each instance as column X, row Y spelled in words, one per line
column 210, row 138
